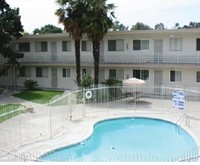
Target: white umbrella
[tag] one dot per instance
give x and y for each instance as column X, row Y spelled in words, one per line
column 133, row 81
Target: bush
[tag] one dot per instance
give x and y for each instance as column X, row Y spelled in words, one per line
column 87, row 81
column 112, row 82
column 30, row 84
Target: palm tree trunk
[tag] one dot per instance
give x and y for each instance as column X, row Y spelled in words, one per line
column 96, row 46
column 78, row 62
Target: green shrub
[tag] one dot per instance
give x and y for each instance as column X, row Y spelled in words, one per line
column 30, row 84
column 87, row 81
column 112, row 82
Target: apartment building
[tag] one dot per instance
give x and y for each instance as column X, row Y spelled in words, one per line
column 160, row 57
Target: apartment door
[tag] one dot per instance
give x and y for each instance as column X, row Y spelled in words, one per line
column 158, row 81
column 158, row 51
column 54, row 78
column 53, row 51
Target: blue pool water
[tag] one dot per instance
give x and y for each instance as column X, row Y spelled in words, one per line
column 130, row 139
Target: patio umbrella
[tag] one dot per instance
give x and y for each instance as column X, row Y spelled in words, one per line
column 133, row 81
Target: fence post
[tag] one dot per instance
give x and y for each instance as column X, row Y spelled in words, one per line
column 70, row 106
column 20, row 131
column 162, row 93
column 84, row 102
column 50, row 121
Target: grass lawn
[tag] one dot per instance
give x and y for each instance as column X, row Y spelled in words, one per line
column 38, row 96
column 6, row 108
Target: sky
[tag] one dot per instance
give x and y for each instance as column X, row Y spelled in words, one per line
column 37, row 13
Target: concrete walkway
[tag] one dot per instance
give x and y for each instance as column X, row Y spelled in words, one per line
column 7, row 98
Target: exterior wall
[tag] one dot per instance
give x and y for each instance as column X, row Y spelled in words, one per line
column 67, row 83
column 186, row 60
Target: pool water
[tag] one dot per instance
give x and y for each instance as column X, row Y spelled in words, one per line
column 130, row 139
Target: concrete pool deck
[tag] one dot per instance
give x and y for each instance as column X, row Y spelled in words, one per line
column 81, row 128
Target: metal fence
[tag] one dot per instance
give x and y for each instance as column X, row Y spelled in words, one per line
column 49, row 121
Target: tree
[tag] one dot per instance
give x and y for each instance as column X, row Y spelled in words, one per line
column 10, row 27
column 192, row 25
column 70, row 15
column 159, row 26
column 177, row 25
column 97, row 24
column 140, row 26
column 117, row 26
column 47, row 29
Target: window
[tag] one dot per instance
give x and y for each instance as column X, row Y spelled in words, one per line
column 140, row 44
column 41, row 72
column 25, row 72
column 198, row 76
column 175, row 44
column 24, row 47
column 198, row 44
column 116, row 45
column 86, row 46
column 65, row 73
column 86, row 72
column 144, row 44
column 175, row 76
column 116, row 73
column 66, row 46
column 112, row 73
column 41, row 46
column 141, row 74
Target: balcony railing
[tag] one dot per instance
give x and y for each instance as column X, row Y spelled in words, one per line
column 151, row 58
column 154, row 59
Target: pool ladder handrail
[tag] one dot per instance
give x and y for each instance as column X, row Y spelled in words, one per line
column 180, row 120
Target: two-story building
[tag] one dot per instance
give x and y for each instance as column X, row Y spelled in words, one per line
column 160, row 57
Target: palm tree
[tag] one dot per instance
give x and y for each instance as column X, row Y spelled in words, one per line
column 97, row 24
column 70, row 15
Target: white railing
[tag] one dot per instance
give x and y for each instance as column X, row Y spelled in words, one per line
column 49, row 121
column 155, row 59
column 137, row 58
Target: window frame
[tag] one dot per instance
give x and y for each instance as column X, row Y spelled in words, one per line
column 141, row 74
column 86, row 71
column 175, row 76
column 66, row 46
column 118, row 74
column 66, row 73
column 41, row 46
column 116, row 45
column 41, row 73
column 139, row 44
column 85, row 46
column 197, row 44
column 22, row 47
column 24, row 72
column 198, row 76
column 175, row 45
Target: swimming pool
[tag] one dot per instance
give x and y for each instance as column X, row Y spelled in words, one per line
column 130, row 139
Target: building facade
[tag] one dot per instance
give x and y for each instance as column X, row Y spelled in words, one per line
column 160, row 57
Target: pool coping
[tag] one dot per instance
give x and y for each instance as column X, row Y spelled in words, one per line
column 84, row 129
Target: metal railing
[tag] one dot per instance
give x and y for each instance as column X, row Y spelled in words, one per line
column 121, row 58
column 52, row 120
